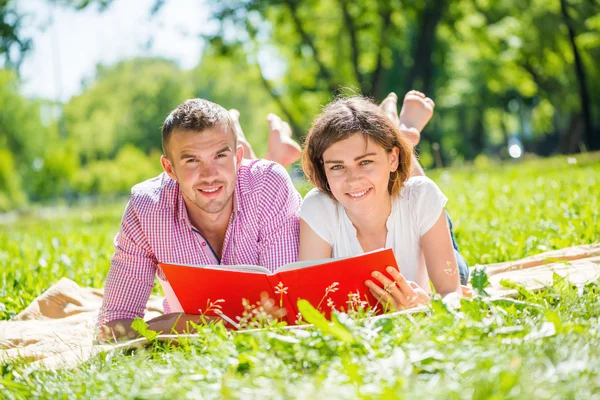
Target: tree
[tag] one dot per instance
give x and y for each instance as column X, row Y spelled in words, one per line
column 13, row 46
column 125, row 104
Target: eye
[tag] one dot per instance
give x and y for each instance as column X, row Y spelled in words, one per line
column 336, row 167
column 190, row 160
column 221, row 155
column 365, row 162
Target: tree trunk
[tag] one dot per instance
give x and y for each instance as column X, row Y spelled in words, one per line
column 423, row 47
column 592, row 140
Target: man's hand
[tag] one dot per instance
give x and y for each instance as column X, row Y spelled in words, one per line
column 173, row 323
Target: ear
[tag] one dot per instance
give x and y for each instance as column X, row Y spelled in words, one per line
column 393, row 157
column 168, row 167
column 239, row 154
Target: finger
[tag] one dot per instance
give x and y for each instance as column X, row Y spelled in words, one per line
column 403, row 285
column 430, row 102
column 414, row 285
column 391, row 287
column 381, row 295
column 466, row 291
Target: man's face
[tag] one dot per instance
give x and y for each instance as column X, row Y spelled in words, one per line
column 205, row 165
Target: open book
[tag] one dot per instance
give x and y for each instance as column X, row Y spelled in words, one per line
column 326, row 284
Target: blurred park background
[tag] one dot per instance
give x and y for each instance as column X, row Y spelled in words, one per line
column 86, row 84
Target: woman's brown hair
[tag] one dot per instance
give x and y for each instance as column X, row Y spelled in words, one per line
column 343, row 118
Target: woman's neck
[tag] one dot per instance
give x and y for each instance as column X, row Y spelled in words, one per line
column 372, row 221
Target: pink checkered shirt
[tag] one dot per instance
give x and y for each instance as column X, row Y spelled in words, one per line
column 263, row 230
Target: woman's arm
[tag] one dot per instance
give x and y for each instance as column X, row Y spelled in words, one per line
column 312, row 246
column 440, row 259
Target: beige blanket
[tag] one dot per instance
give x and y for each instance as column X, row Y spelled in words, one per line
column 56, row 329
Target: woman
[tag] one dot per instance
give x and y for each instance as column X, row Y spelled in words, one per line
column 364, row 199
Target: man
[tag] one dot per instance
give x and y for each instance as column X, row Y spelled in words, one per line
column 208, row 207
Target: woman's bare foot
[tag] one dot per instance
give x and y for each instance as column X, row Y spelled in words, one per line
column 417, row 110
column 411, row 114
column 390, row 106
column 248, row 152
column 281, row 147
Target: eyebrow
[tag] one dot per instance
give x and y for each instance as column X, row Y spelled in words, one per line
column 356, row 159
column 183, row 156
column 224, row 149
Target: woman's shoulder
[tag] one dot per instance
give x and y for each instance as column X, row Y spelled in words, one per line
column 317, row 197
column 416, row 186
column 317, row 203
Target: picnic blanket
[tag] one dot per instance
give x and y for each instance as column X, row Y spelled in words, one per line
column 56, row 330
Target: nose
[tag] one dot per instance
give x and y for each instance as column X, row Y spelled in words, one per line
column 352, row 175
column 207, row 171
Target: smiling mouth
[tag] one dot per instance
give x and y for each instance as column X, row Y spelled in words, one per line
column 211, row 190
column 359, row 195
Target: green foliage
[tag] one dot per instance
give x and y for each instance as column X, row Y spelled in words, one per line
column 21, row 131
column 126, row 104
column 53, row 176
column 333, row 328
column 11, row 195
column 235, row 83
column 118, row 176
column 479, row 281
column 141, row 327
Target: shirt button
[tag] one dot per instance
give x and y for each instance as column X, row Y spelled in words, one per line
column 203, row 243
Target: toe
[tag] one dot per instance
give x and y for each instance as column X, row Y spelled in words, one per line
column 235, row 114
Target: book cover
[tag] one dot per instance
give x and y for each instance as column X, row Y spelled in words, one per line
column 327, row 284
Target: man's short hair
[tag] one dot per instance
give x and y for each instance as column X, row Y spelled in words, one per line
column 196, row 115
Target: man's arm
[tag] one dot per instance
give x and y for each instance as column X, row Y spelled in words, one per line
column 130, row 279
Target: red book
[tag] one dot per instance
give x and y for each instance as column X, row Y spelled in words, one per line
column 326, row 284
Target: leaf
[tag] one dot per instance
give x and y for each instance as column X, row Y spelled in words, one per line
column 313, row 316
column 522, row 290
column 553, row 317
column 141, row 327
column 479, row 281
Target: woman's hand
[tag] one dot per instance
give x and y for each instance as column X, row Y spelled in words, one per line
column 398, row 293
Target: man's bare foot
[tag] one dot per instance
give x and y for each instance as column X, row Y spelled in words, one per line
column 248, row 152
column 281, row 147
column 417, row 110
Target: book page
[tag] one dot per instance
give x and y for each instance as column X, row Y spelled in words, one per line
column 303, row 264
column 253, row 269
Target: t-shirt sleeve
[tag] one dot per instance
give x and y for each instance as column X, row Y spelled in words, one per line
column 426, row 202
column 319, row 211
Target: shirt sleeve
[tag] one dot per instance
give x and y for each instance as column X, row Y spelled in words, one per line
column 280, row 229
column 132, row 269
column 426, row 202
column 319, row 211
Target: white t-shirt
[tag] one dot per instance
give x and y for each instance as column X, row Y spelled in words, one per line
column 413, row 213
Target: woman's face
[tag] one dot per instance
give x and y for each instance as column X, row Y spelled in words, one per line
column 358, row 173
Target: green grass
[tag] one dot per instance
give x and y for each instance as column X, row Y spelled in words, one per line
column 544, row 346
